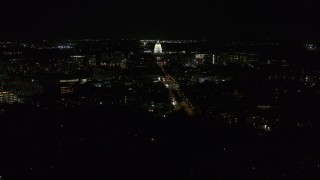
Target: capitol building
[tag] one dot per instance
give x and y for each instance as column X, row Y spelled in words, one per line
column 157, row 48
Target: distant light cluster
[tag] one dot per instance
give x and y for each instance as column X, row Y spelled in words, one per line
column 169, row 41
column 311, row 47
column 65, row 47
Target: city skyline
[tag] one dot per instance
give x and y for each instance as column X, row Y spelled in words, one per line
column 159, row 90
column 78, row 108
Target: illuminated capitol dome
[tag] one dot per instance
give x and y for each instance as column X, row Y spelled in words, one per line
column 158, row 48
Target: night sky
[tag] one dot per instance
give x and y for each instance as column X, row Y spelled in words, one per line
column 164, row 19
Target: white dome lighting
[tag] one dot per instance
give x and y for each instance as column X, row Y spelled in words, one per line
column 158, row 48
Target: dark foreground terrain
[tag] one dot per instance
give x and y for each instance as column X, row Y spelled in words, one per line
column 117, row 143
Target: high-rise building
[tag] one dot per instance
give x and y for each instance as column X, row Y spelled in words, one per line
column 67, row 86
column 8, row 97
column 213, row 59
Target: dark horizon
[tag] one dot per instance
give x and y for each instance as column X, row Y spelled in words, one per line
column 215, row 20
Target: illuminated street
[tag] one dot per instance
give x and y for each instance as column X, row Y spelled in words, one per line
column 179, row 101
